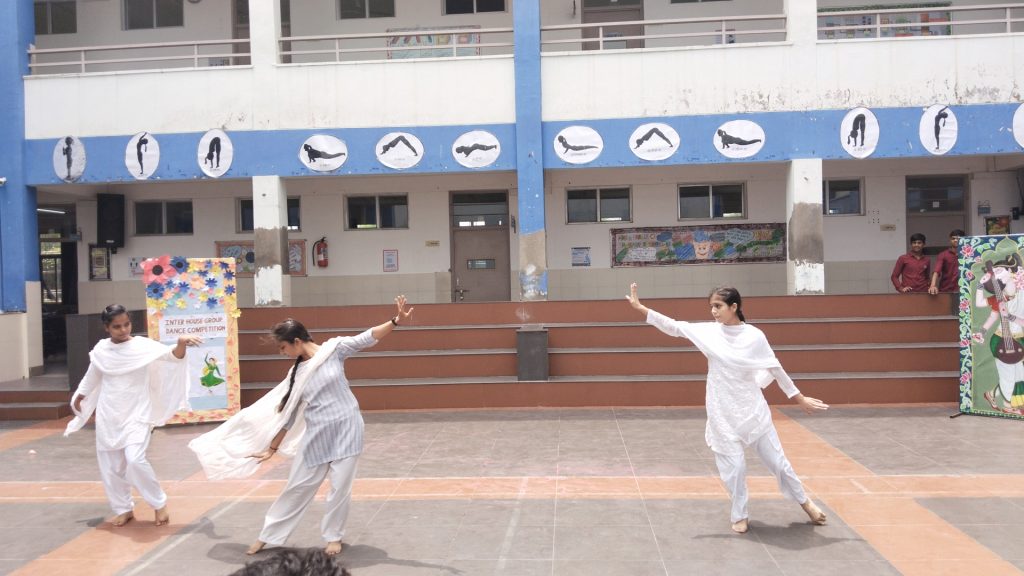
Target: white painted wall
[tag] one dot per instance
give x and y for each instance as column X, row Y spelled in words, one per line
column 15, row 341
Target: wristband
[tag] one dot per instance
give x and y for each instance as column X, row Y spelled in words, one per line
column 394, row 321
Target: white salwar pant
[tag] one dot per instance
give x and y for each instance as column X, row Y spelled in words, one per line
column 732, row 468
column 303, row 483
column 127, row 467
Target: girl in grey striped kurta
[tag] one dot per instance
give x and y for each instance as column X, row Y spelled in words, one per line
column 327, row 417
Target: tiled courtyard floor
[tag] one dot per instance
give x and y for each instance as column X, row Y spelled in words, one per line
column 593, row 492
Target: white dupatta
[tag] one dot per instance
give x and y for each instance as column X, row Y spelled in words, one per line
column 225, row 451
column 168, row 378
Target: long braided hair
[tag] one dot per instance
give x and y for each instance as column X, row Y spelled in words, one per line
column 288, row 331
column 730, row 296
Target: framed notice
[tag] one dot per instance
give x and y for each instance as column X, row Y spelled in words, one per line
column 996, row 225
column 244, row 255
column 581, row 256
column 197, row 297
column 99, row 262
column 391, row 260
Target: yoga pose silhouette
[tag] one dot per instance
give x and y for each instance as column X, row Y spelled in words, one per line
column 66, row 151
column 467, row 150
column 393, row 143
column 313, row 154
column 728, row 140
column 940, row 116
column 214, row 152
column 859, row 123
column 565, row 144
column 648, row 135
column 139, row 147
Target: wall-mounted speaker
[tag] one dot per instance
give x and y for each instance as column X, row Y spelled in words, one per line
column 110, row 221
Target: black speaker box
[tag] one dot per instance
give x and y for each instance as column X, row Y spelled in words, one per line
column 110, row 220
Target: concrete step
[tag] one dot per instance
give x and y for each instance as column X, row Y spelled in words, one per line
column 34, row 410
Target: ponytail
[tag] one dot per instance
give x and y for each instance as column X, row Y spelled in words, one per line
column 291, row 383
column 289, row 331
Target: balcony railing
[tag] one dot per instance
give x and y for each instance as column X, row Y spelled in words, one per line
column 190, row 54
column 927, row 19
column 665, row 33
column 452, row 42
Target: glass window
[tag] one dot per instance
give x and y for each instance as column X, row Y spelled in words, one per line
column 711, row 201
column 598, row 205
column 936, row 194
column 366, row 9
column 149, row 218
column 143, row 14
column 365, row 212
column 479, row 209
column 56, row 17
column 246, row 216
column 472, row 6
column 179, row 218
column 841, row 197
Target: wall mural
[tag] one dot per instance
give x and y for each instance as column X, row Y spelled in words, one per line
column 859, row 132
column 653, row 142
column 323, row 153
column 399, row 150
column 992, row 325
column 476, row 149
column 142, row 155
column 718, row 244
column 69, row 159
column 215, row 153
column 244, row 256
column 739, row 139
column 578, row 144
column 938, row 129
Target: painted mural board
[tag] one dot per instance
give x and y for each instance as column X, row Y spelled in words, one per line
column 197, row 297
column 244, row 255
column 992, row 306
column 709, row 244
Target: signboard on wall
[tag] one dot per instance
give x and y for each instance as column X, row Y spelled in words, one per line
column 709, row 244
column 197, row 297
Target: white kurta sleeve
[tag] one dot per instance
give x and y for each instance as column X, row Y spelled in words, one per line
column 665, row 324
column 785, row 382
column 349, row 345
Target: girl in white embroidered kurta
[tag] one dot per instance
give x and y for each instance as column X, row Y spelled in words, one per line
column 333, row 435
column 132, row 384
column 740, row 364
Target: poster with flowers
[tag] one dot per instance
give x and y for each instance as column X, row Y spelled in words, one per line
column 196, row 297
column 992, row 325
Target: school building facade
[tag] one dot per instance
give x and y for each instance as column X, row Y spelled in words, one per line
column 345, row 151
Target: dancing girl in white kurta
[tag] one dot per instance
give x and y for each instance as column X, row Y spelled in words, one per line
column 311, row 415
column 740, row 364
column 132, row 385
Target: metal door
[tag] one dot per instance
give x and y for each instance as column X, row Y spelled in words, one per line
column 481, row 269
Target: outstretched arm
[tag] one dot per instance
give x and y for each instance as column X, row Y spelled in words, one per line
column 183, row 342
column 384, row 329
column 809, row 405
column 275, row 443
column 634, row 300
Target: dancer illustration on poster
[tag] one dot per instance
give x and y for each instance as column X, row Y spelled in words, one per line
column 141, row 146
column 312, row 154
column 214, row 151
column 858, row 132
column 940, row 117
column 476, row 149
column 575, row 148
column 997, row 290
column 69, row 159
column 211, row 373
column 645, row 146
column 142, row 155
column 728, row 140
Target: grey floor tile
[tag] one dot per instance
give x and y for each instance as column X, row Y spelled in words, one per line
column 605, row 542
column 598, row 567
column 589, row 512
column 497, row 542
column 722, row 565
column 407, row 543
column 509, row 513
column 410, row 513
column 500, row 567
column 838, row 568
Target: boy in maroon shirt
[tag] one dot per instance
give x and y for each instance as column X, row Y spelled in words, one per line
column 912, row 270
column 945, row 276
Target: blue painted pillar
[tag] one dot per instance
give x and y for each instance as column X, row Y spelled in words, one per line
column 19, row 237
column 533, row 262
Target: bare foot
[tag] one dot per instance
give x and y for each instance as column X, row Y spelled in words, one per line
column 814, row 513
column 255, row 548
column 741, row 527
column 122, row 519
column 333, row 548
column 162, row 517
column 991, row 400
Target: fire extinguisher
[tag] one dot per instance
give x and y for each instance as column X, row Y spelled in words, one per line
column 320, row 252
